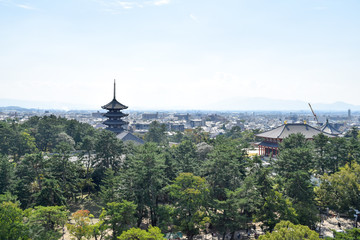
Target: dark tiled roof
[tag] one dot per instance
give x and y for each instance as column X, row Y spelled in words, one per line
column 127, row 136
column 114, row 122
column 269, row 144
column 114, row 105
column 328, row 128
column 115, row 114
column 115, row 130
column 285, row 130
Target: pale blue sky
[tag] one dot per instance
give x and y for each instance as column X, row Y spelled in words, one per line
column 183, row 54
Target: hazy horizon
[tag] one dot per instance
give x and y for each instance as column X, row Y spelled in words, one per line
column 246, row 105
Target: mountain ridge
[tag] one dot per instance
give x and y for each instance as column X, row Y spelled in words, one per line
column 232, row 104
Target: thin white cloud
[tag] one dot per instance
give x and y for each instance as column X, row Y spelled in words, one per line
column 116, row 5
column 23, row 6
column 193, row 17
column 127, row 5
column 320, row 8
column 10, row 3
column 161, row 2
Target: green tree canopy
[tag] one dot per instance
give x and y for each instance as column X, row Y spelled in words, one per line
column 119, row 216
column 190, row 195
column 46, row 222
column 12, row 226
column 156, row 133
column 153, row 233
column 285, row 230
column 226, row 167
column 349, row 234
column 341, row 190
column 145, row 177
column 293, row 168
column 82, row 226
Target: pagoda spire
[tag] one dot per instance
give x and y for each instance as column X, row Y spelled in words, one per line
column 114, row 89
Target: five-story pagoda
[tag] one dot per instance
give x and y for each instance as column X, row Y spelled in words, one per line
column 114, row 122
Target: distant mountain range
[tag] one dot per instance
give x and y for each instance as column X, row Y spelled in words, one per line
column 19, row 109
column 265, row 104
column 232, row 104
column 23, row 105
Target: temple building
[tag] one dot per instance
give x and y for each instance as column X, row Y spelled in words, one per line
column 115, row 123
column 272, row 138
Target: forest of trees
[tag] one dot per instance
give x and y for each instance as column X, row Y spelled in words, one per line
column 53, row 170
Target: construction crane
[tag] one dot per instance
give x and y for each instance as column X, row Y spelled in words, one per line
column 317, row 120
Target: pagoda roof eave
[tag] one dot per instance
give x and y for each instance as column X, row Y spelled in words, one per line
column 114, row 122
column 114, row 105
column 115, row 114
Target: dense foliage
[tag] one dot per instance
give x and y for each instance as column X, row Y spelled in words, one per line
column 51, row 167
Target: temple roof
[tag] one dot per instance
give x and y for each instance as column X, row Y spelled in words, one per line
column 285, row 130
column 328, row 128
column 115, row 114
column 114, row 122
column 114, row 105
column 115, row 130
column 269, row 144
column 127, row 136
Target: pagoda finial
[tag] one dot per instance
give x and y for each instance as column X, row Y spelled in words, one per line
column 114, row 89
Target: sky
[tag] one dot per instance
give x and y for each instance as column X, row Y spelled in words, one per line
column 179, row 54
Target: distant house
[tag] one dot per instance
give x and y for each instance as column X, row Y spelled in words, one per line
column 197, row 123
column 272, row 138
column 182, row 116
column 176, row 127
column 141, row 126
column 149, row 116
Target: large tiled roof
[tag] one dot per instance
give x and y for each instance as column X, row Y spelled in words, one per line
column 115, row 114
column 328, row 128
column 114, row 105
column 114, row 122
column 269, row 144
column 115, row 130
column 127, row 136
column 285, row 130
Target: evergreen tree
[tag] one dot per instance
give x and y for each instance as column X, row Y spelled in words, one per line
column 12, row 226
column 145, row 177
column 285, row 230
column 293, row 168
column 341, row 190
column 153, row 233
column 156, row 133
column 119, row 216
column 6, row 174
column 46, row 222
column 186, row 158
column 190, row 195
column 225, row 168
